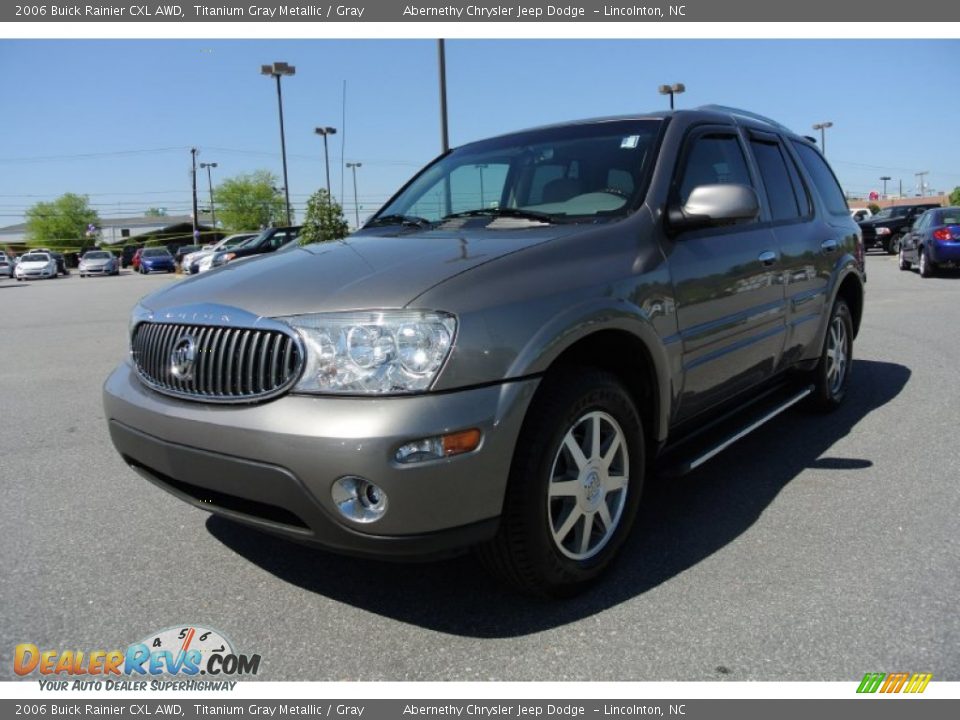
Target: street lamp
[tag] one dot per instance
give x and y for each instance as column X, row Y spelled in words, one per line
column 325, row 131
column 672, row 90
column 884, row 178
column 481, row 168
column 277, row 70
column 822, row 127
column 213, row 212
column 356, row 205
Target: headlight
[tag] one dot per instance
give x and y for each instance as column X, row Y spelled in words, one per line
column 883, row 231
column 374, row 352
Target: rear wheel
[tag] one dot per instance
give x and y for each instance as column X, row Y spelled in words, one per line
column 832, row 374
column 892, row 246
column 927, row 267
column 904, row 263
column 574, row 485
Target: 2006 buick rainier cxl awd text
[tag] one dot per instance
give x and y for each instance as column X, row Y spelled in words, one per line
column 497, row 358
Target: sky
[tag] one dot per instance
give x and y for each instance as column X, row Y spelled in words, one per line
column 115, row 119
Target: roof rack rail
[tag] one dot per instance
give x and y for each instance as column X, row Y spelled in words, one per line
column 746, row 114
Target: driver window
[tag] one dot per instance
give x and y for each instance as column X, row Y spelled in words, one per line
column 713, row 159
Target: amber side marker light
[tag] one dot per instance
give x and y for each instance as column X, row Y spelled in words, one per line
column 440, row 446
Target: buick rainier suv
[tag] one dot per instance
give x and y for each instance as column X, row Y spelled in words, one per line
column 509, row 349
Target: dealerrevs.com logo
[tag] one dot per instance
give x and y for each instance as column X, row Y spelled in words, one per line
column 909, row 683
column 185, row 651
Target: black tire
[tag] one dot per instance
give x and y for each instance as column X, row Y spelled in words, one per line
column 904, row 263
column 525, row 553
column 926, row 266
column 892, row 245
column 828, row 391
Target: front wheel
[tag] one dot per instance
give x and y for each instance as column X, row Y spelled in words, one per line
column 574, row 485
column 892, row 246
column 832, row 374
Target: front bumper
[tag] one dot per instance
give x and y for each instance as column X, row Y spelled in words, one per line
column 272, row 465
column 97, row 270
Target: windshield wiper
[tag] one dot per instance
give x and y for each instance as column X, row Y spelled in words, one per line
column 505, row 212
column 411, row 220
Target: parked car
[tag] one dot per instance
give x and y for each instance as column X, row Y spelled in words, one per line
column 99, row 262
column 182, row 252
column 933, row 242
column 267, row 241
column 887, row 226
column 155, row 259
column 6, row 265
column 35, row 265
column 461, row 374
column 126, row 255
column 192, row 262
column 860, row 213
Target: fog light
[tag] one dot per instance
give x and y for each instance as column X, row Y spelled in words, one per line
column 359, row 499
column 441, row 446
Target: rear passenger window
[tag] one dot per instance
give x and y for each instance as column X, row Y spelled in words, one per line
column 714, row 159
column 823, row 178
column 781, row 194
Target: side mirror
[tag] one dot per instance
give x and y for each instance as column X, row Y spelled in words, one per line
column 714, row 205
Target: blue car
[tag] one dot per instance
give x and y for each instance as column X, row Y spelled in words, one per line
column 156, row 259
column 933, row 242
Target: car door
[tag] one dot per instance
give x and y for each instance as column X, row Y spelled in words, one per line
column 913, row 236
column 807, row 251
column 727, row 282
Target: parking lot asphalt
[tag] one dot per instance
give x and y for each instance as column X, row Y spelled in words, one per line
column 818, row 548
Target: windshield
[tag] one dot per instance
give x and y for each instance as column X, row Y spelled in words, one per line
column 156, row 252
column 569, row 173
column 97, row 256
column 890, row 212
column 255, row 240
column 36, row 257
column 232, row 242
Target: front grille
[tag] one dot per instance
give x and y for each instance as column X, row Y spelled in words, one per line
column 228, row 364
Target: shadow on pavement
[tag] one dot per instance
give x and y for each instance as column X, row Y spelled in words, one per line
column 681, row 522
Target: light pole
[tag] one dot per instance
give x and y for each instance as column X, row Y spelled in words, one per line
column 481, row 167
column 277, row 70
column 672, row 90
column 884, row 178
column 213, row 212
column 193, row 174
column 356, row 205
column 822, row 127
column 325, row 131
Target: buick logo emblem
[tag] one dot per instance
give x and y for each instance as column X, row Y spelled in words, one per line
column 182, row 357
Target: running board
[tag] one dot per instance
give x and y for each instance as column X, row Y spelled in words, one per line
column 687, row 456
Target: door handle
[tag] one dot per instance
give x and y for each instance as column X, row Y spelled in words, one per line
column 828, row 246
column 767, row 258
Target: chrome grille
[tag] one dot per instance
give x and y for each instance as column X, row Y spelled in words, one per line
column 226, row 364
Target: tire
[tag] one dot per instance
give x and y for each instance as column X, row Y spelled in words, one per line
column 832, row 374
column 892, row 246
column 557, row 490
column 904, row 263
column 927, row 267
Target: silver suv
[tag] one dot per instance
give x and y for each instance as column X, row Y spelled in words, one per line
column 499, row 356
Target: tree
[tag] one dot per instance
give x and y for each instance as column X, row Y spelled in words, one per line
column 874, row 208
column 250, row 201
column 324, row 220
column 63, row 222
column 955, row 196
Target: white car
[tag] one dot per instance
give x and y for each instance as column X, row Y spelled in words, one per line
column 193, row 262
column 860, row 213
column 36, row 265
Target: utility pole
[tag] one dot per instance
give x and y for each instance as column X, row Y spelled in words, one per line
column 884, row 178
column 920, row 177
column 356, row 204
column 444, row 135
column 213, row 212
column 193, row 158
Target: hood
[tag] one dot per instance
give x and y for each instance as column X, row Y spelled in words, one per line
column 368, row 270
column 96, row 261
